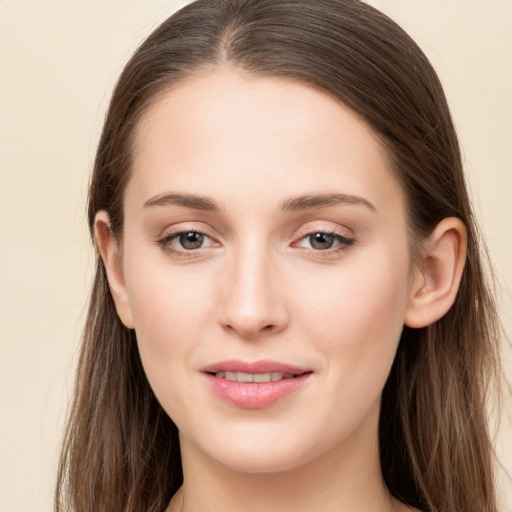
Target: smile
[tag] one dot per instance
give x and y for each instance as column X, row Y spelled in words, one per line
column 255, row 385
column 254, row 377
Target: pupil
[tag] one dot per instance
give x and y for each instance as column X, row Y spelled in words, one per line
column 321, row 241
column 191, row 240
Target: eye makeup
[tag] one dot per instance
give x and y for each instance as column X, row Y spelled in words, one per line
column 315, row 240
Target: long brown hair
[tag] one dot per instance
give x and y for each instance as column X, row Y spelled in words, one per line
column 121, row 450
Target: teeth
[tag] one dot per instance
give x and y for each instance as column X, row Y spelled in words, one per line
column 261, row 377
column 253, row 377
column 244, row 377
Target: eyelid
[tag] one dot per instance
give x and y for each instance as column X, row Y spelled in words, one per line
column 188, row 226
column 164, row 240
column 324, row 227
column 344, row 237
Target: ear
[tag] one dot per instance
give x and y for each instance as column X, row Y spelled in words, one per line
column 110, row 254
column 436, row 280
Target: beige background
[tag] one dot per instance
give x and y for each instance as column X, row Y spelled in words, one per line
column 58, row 63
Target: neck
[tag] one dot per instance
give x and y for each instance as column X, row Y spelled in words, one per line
column 347, row 478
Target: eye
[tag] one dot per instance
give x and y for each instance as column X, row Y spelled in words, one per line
column 182, row 242
column 324, row 241
column 190, row 240
column 321, row 241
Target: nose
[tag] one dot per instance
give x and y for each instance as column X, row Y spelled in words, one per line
column 253, row 296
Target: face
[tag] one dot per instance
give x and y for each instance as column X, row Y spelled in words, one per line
column 266, row 269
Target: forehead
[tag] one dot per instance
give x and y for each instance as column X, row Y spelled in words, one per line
column 223, row 129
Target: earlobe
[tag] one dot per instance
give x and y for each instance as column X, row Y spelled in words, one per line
column 111, row 257
column 437, row 281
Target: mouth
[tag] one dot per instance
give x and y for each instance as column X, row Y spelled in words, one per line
column 255, row 385
column 257, row 371
column 254, row 377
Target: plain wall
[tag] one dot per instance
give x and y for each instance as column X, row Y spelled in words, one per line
column 58, row 63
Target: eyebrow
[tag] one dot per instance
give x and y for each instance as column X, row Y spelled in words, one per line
column 187, row 200
column 304, row 202
column 320, row 200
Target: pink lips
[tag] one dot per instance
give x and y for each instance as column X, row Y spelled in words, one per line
column 255, row 395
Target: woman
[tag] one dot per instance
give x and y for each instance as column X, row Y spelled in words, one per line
column 289, row 310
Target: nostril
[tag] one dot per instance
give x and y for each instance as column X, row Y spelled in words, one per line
column 250, row 330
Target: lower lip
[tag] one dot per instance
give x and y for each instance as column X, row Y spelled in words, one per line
column 252, row 395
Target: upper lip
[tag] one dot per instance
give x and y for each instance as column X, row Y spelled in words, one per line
column 264, row 366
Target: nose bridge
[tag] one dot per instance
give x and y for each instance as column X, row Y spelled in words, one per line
column 253, row 302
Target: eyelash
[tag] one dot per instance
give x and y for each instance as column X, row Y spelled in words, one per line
column 343, row 241
column 165, row 243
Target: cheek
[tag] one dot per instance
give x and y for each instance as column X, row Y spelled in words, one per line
column 170, row 308
column 356, row 328
column 358, row 319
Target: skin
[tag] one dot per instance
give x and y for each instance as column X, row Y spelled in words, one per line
column 258, row 289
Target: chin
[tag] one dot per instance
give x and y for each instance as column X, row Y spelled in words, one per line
column 259, row 462
column 264, row 451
